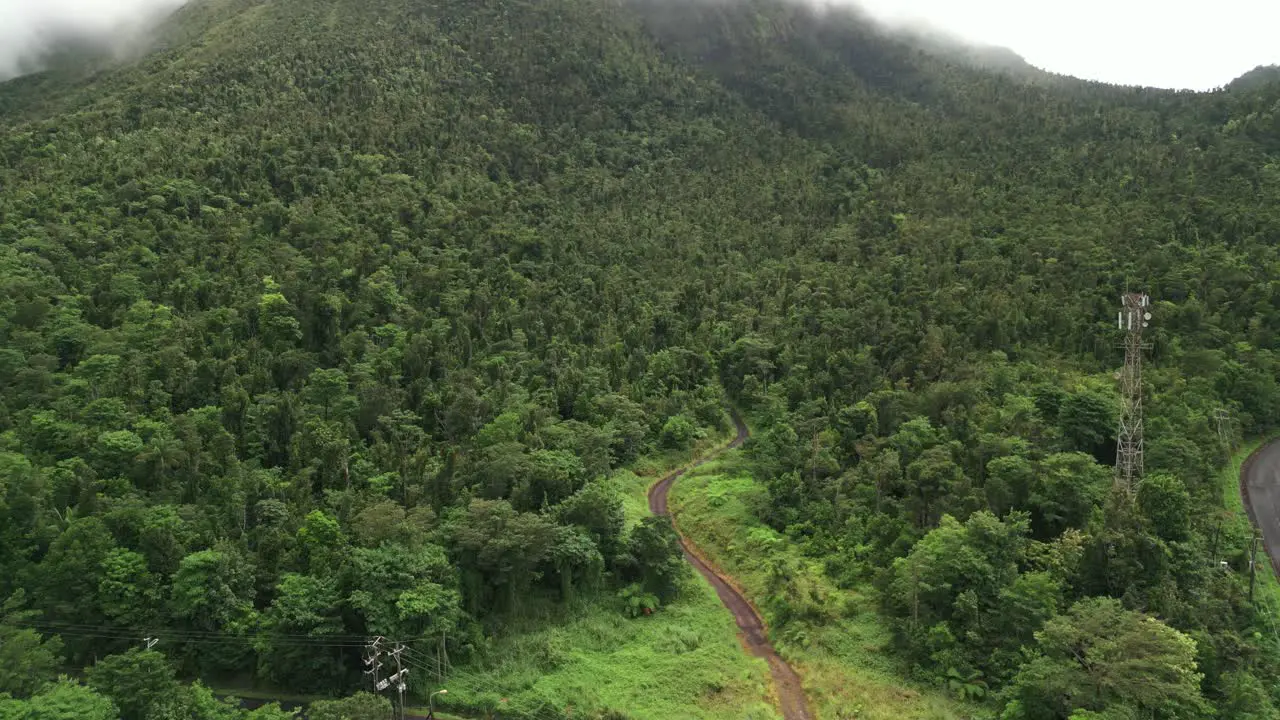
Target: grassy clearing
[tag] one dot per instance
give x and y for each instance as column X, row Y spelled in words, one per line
column 846, row 669
column 1239, row 529
column 682, row 662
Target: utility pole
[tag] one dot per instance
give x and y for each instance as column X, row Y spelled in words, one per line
column 1253, row 563
column 1226, row 434
column 442, row 658
column 1223, row 418
column 402, row 674
column 373, row 660
column 1132, row 319
column 1226, row 438
column 813, row 461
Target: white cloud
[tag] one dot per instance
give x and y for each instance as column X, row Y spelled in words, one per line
column 1192, row 44
column 1182, row 44
column 28, row 26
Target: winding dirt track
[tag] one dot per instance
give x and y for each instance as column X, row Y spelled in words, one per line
column 785, row 680
column 1260, row 486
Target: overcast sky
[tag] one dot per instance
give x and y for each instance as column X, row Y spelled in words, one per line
column 1195, row 44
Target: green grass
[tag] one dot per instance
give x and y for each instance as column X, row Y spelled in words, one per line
column 844, row 662
column 684, row 661
column 634, row 483
column 269, row 696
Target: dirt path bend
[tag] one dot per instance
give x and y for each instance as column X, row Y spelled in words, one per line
column 1260, row 486
column 785, row 679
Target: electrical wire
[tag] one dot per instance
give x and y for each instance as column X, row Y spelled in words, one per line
column 359, row 639
column 467, row 682
column 473, row 683
column 135, row 634
column 410, row 657
column 197, row 635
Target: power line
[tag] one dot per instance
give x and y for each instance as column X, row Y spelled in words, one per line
column 352, row 639
column 375, row 649
column 399, row 679
column 187, row 635
column 177, row 637
column 476, row 685
column 108, row 633
column 471, row 682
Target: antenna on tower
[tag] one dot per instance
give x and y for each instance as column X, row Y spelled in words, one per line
column 1133, row 317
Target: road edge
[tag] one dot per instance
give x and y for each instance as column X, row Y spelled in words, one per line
column 1248, row 503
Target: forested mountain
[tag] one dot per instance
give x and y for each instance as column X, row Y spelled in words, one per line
column 326, row 320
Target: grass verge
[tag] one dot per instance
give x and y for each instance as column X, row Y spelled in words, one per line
column 844, row 664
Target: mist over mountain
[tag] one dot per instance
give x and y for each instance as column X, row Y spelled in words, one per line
column 33, row 33
column 1257, row 77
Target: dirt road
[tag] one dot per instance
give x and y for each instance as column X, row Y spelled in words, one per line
column 1260, row 485
column 785, row 680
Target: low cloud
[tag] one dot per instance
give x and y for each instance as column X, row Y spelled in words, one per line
column 32, row 29
column 1199, row 46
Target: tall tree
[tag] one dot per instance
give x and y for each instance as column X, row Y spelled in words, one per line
column 1101, row 658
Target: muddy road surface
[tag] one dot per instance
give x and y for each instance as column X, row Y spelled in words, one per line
column 785, row 680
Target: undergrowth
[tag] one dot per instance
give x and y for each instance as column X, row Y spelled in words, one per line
column 682, row 662
column 590, row 660
column 832, row 636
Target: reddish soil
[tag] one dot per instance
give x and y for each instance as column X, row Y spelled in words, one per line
column 754, row 636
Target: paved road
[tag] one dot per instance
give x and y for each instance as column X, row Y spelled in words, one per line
column 1260, row 485
column 785, row 680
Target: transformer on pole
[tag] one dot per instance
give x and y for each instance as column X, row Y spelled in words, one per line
column 397, row 681
column 1132, row 319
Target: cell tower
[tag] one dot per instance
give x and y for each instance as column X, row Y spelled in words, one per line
column 1132, row 319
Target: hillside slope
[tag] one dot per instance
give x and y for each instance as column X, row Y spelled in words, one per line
column 319, row 290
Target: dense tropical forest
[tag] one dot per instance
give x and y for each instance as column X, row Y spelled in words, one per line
column 331, row 320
